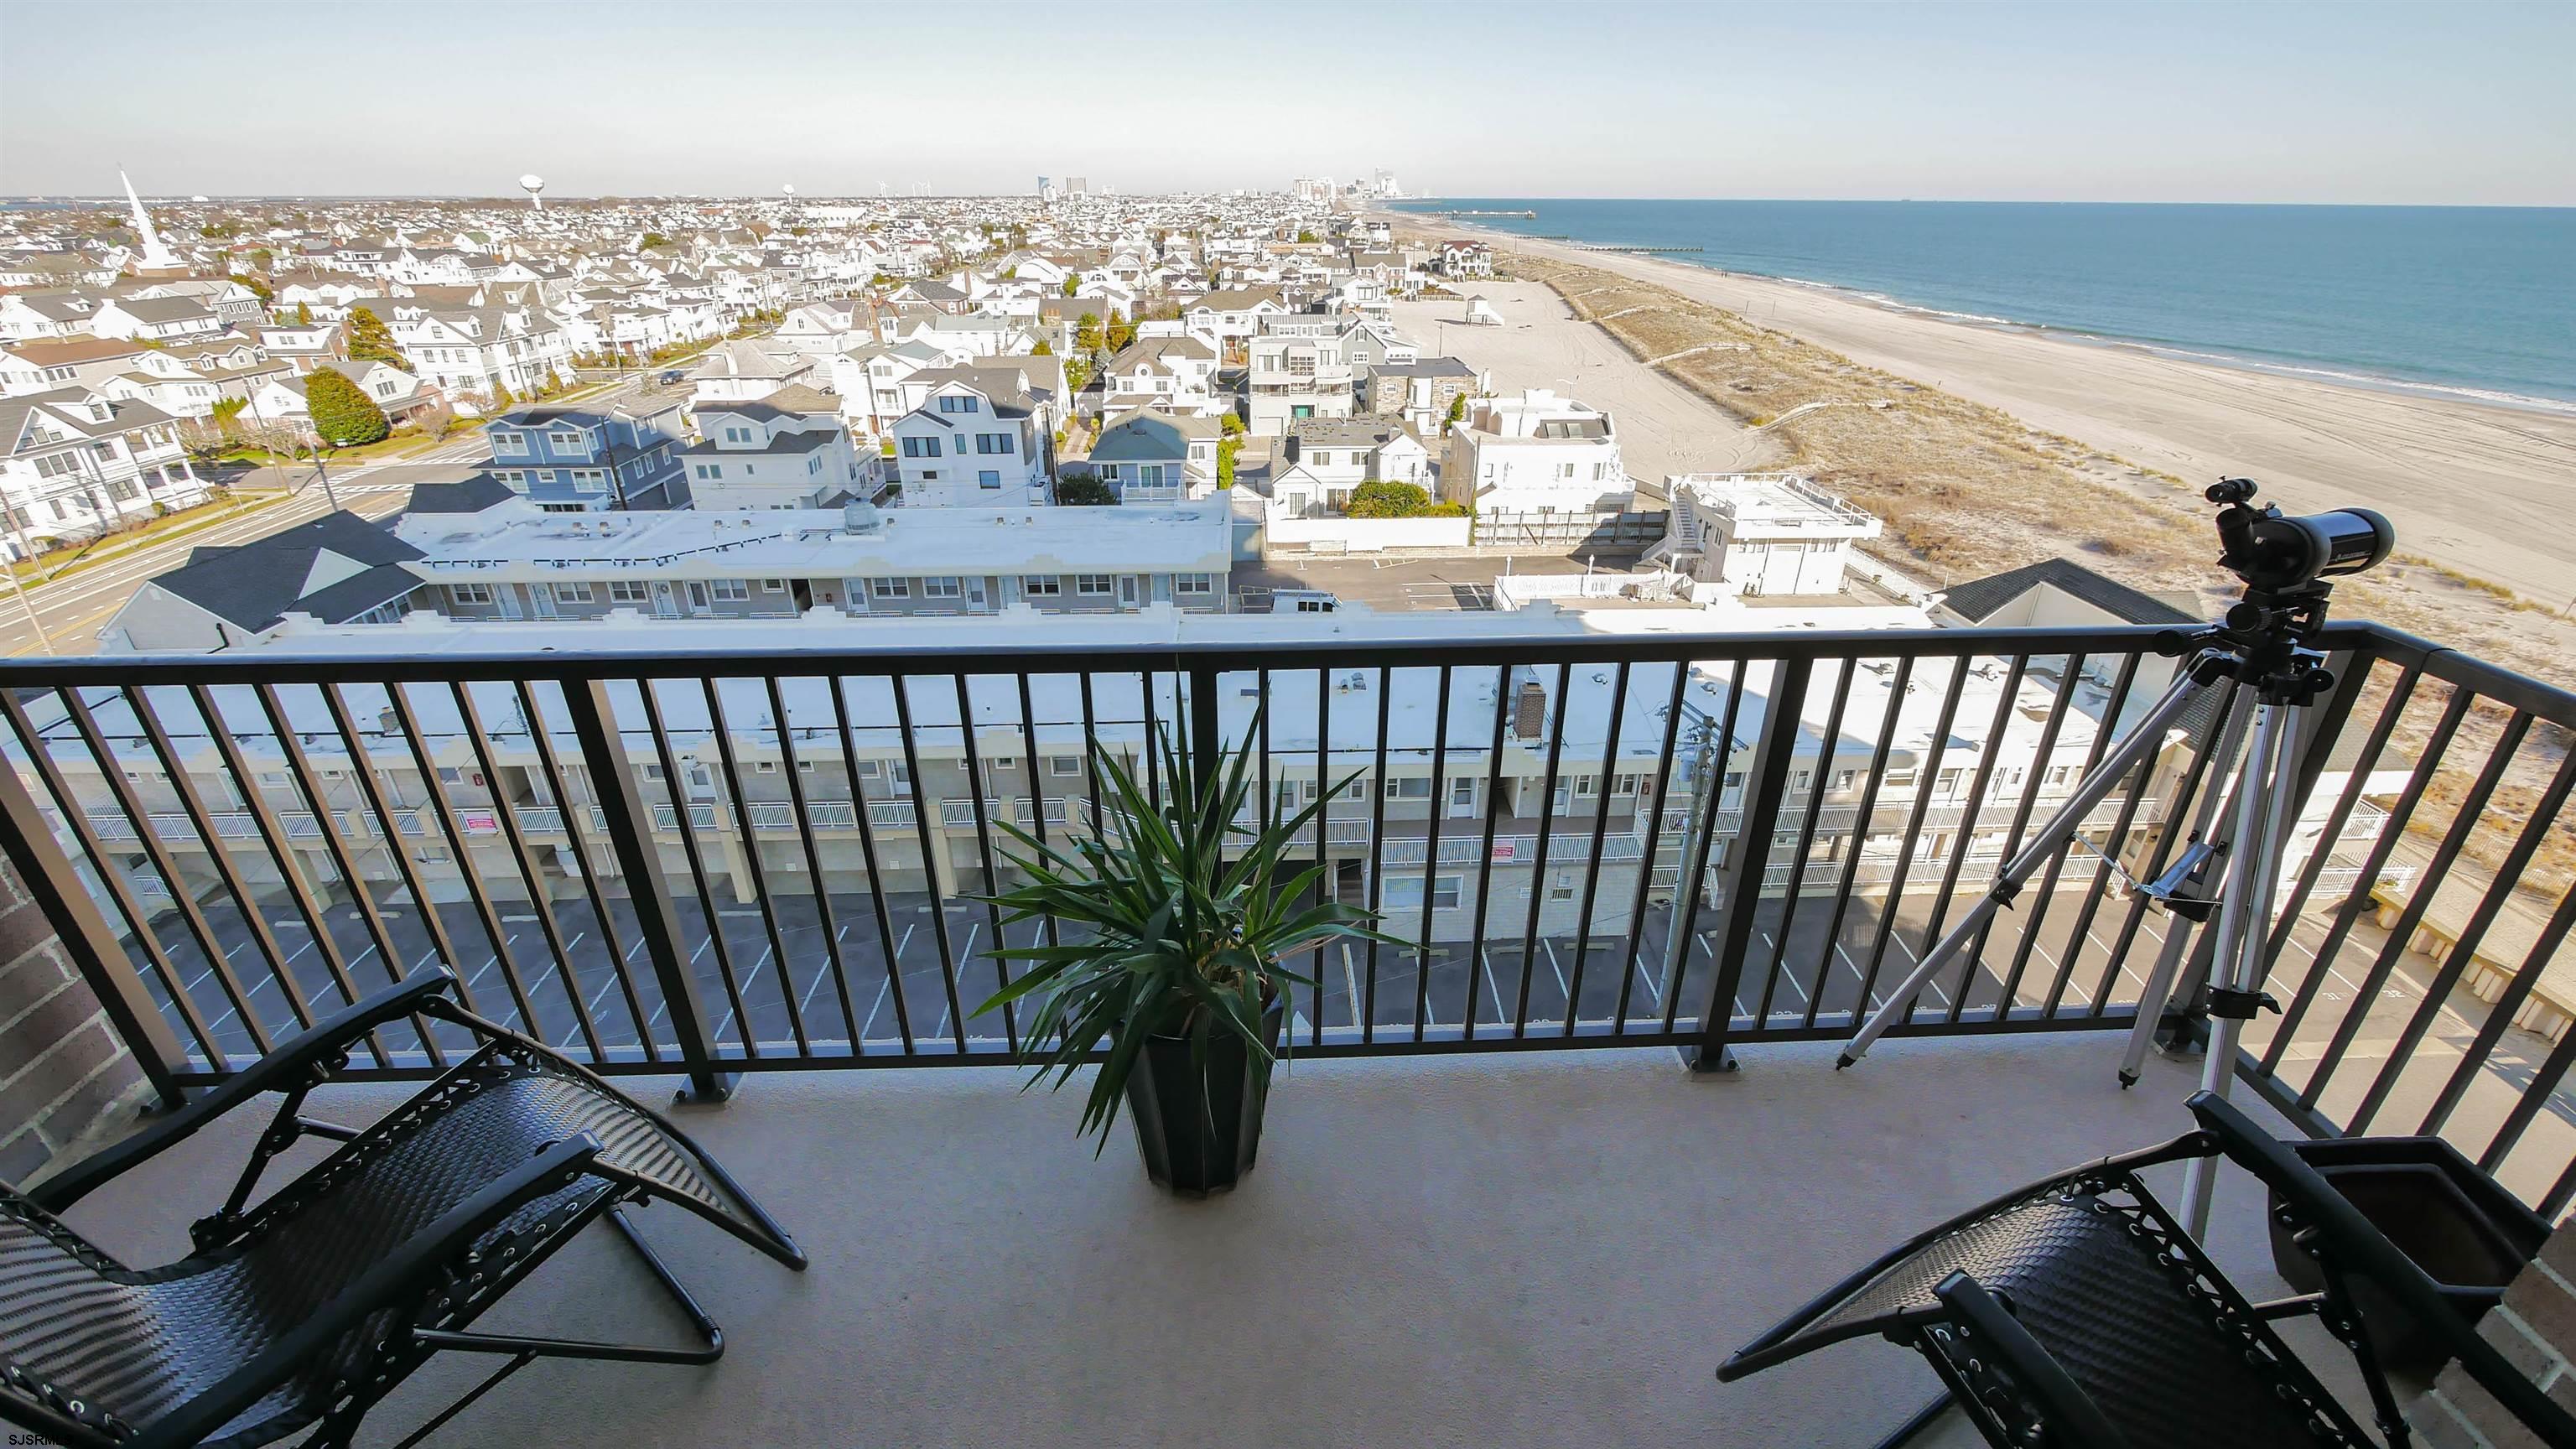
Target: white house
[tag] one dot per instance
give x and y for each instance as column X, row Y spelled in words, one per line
column 1153, row 456
column 473, row 353
column 154, row 319
column 967, row 445
column 788, row 450
column 1760, row 534
column 75, row 462
column 281, row 400
column 743, row 372
column 1535, row 452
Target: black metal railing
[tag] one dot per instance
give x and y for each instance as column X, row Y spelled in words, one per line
column 710, row 863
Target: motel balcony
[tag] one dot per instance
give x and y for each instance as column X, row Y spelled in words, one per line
column 1531, row 1173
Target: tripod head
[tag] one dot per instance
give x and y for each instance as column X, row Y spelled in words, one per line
column 2288, row 565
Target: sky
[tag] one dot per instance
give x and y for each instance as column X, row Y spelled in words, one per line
column 2455, row 104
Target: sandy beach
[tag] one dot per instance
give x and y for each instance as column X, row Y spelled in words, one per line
column 2487, row 490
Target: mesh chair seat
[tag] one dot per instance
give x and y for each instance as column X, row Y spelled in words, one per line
column 104, row 1351
column 2095, row 1281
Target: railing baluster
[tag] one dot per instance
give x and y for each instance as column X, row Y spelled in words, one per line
column 55, row 885
column 1963, row 837
column 750, row 845
column 1863, row 822
column 684, row 825
column 876, row 880
column 2464, row 823
column 1767, row 785
column 793, row 767
column 200, row 819
column 521, row 852
column 2462, row 953
column 290, row 872
column 2427, row 764
column 299, row 767
column 1927, row 774
column 1485, row 866
column 362, row 770
column 1695, row 871
column 1605, row 790
column 1431, row 853
column 2069, row 667
column 416, row 741
column 2132, row 794
column 984, row 854
column 1632, row 948
column 2105, row 731
column 2500, row 1014
column 630, row 837
column 112, row 985
column 559, row 785
column 2337, row 820
column 2206, row 771
column 1538, row 887
column 901, row 684
column 1091, row 748
column 1826, row 754
column 1379, row 784
column 1325, row 881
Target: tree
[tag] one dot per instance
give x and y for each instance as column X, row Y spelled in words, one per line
column 654, row 241
column 1122, row 333
column 1086, row 332
column 1072, row 285
column 303, row 315
column 370, row 340
column 342, row 415
column 1388, row 500
column 1230, row 426
column 1226, row 448
column 258, row 288
column 1077, row 373
column 1457, row 415
column 1305, row 238
column 1081, row 490
column 205, row 442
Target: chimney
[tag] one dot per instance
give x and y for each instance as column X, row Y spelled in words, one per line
column 1529, row 711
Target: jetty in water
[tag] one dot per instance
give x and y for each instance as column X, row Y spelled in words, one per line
column 1523, row 215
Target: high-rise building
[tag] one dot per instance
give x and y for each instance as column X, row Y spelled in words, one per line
column 1076, row 185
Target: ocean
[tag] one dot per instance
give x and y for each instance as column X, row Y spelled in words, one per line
column 2471, row 301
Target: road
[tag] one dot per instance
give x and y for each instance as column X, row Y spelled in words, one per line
column 73, row 609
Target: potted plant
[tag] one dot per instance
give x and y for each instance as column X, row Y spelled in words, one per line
column 1172, row 930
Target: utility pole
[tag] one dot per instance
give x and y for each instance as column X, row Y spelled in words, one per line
column 18, row 537
column 1706, row 773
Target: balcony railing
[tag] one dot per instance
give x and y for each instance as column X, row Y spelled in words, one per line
column 220, row 844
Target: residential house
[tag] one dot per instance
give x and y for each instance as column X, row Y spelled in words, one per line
column 79, row 462
column 281, row 400
column 742, row 371
column 588, row 460
column 1234, row 315
column 1421, row 393
column 970, row 443
column 1298, row 370
column 1174, row 373
column 45, row 363
column 790, row 449
column 1153, row 456
column 475, row 354
column 337, row 569
column 26, row 315
column 1323, row 459
column 1536, row 452
column 154, row 319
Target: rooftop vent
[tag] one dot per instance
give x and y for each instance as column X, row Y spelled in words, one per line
column 862, row 518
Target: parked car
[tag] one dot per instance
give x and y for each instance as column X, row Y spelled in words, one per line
column 672, row 378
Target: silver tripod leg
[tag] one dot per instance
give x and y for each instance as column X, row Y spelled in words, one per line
column 2266, row 808
column 2138, row 744
column 2205, row 815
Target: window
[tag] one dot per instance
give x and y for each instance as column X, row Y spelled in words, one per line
column 1091, row 583
column 1064, row 766
column 1405, row 892
column 898, row 779
column 991, row 443
column 474, row 594
column 728, row 591
column 1948, row 783
column 1408, row 787
column 1462, row 792
column 1193, row 583
column 890, row 588
column 707, row 471
column 737, row 435
column 958, row 403
column 1038, row 587
column 988, row 479
column 921, row 447
column 628, row 593
column 940, row 586
column 572, row 593
column 1631, row 783
column 589, row 480
column 509, row 442
column 566, row 439
column 1899, row 778
column 2059, row 776
column 773, row 586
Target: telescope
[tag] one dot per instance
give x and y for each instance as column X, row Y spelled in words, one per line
column 2279, row 554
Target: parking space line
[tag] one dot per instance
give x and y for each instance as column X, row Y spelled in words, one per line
column 1493, row 988
column 1563, row 989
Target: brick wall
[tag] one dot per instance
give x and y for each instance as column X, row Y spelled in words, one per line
column 2535, row 1329
column 62, row 1069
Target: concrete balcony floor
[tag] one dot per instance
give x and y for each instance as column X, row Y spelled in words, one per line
column 1517, row 1249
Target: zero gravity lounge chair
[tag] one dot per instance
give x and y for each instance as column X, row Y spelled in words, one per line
column 300, row 1312
column 2075, row 1313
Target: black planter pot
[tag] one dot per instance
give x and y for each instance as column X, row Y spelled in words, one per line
column 2467, row 1233
column 1199, row 1131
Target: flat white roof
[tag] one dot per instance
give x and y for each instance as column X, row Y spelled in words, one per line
column 816, row 543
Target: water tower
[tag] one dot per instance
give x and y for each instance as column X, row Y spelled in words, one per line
column 535, row 186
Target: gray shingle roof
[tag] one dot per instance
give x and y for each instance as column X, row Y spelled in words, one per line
column 1978, row 598
column 253, row 585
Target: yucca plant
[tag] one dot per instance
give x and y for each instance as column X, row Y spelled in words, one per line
column 1172, row 926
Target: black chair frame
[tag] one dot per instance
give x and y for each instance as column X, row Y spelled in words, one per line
column 422, row 1298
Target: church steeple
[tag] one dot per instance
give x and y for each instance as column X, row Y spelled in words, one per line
column 156, row 255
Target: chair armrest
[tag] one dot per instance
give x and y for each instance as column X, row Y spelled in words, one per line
column 411, row 1268
column 282, row 1069
column 2361, row 1248
column 2071, row 1417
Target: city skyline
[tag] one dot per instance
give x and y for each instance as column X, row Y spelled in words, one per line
column 2005, row 103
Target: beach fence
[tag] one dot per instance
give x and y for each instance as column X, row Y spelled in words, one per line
column 1573, row 532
